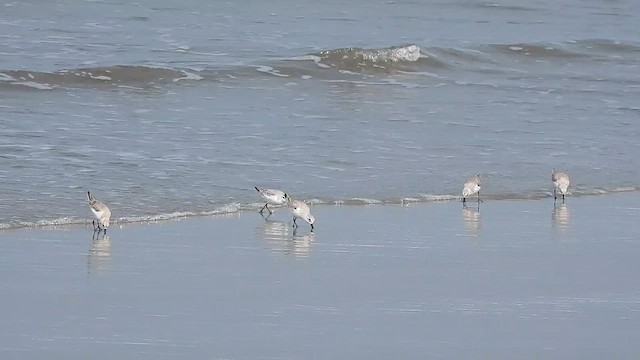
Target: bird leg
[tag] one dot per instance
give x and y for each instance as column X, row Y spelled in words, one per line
column 294, row 222
column 266, row 207
column 266, row 218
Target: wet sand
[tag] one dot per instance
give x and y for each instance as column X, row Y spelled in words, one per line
column 516, row 279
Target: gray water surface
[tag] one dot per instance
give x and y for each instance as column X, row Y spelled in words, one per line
column 165, row 109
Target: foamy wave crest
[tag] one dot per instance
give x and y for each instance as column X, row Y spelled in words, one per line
column 436, row 197
column 64, row 221
column 362, row 201
column 43, row 223
column 221, row 210
column 392, row 58
column 23, row 82
column 119, row 75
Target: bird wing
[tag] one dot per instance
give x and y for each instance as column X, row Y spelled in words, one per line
column 98, row 206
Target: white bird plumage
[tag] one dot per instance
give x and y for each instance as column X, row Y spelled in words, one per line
column 560, row 183
column 272, row 197
column 472, row 186
column 100, row 211
column 301, row 210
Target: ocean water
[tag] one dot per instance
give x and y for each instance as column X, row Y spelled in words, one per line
column 166, row 109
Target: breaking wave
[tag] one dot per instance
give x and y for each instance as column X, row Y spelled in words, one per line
column 359, row 60
column 332, row 63
column 232, row 208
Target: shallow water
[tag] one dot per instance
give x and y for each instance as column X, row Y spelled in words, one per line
column 165, row 109
column 514, row 279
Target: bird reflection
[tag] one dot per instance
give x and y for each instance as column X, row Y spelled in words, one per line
column 471, row 217
column 561, row 216
column 99, row 255
column 281, row 239
column 302, row 243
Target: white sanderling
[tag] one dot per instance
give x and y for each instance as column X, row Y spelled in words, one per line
column 273, row 197
column 560, row 183
column 302, row 210
column 101, row 212
column 471, row 186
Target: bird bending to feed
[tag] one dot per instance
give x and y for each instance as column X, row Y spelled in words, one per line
column 560, row 183
column 471, row 186
column 273, row 197
column 300, row 209
column 101, row 212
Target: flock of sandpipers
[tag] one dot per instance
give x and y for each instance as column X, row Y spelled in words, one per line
column 300, row 209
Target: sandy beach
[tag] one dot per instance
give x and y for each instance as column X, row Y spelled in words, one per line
column 516, row 279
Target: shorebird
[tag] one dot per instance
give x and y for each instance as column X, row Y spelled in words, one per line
column 273, row 197
column 300, row 209
column 560, row 183
column 471, row 186
column 101, row 212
